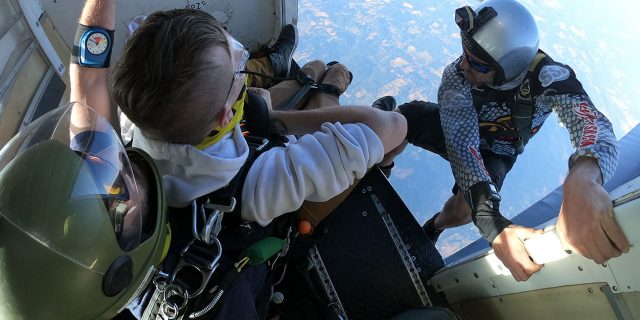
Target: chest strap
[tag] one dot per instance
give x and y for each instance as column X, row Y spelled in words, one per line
column 521, row 107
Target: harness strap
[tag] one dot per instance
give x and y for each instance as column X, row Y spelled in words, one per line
column 307, row 84
column 521, row 107
column 176, row 294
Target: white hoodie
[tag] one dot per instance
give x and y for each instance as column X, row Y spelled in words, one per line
column 315, row 167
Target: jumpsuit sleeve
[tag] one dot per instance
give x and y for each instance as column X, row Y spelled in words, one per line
column 590, row 131
column 316, row 167
column 460, row 128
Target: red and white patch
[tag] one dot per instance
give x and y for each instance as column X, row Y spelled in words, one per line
column 476, row 155
column 587, row 113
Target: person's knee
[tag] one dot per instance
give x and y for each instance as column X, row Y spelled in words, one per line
column 315, row 69
column 462, row 207
column 457, row 209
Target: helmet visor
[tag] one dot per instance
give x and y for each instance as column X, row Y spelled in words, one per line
column 66, row 183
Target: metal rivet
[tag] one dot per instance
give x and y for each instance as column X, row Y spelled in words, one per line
column 604, row 264
column 364, row 190
column 580, row 268
column 614, row 288
column 369, row 188
column 418, row 270
column 590, row 290
column 364, row 213
column 475, row 275
column 428, row 282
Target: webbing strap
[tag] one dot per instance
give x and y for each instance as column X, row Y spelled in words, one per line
column 307, row 84
column 521, row 106
column 522, row 109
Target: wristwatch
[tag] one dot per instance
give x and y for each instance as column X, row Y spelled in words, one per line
column 94, row 47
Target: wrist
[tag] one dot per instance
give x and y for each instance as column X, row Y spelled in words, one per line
column 484, row 200
column 584, row 164
column 584, row 170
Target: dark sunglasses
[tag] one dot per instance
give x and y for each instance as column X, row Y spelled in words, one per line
column 480, row 67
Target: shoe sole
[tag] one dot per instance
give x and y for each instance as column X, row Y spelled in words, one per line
column 295, row 46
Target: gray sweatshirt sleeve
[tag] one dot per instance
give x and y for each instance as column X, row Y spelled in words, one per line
column 316, row 167
column 460, row 127
column 590, row 131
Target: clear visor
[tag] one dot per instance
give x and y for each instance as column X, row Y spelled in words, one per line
column 66, row 182
column 239, row 59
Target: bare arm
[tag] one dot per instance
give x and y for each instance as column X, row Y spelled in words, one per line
column 89, row 85
column 390, row 127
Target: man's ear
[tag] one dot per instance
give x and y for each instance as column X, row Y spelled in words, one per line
column 223, row 117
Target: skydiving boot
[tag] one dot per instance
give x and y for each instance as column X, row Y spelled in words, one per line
column 282, row 51
column 430, row 229
column 386, row 103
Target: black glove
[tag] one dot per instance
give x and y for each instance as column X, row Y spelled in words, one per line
column 484, row 200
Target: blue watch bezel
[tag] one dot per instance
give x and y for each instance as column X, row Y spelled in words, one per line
column 88, row 59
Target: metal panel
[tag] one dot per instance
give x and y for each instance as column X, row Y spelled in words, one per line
column 254, row 23
column 16, row 61
column 584, row 302
column 11, row 34
column 25, row 83
column 32, row 13
column 7, row 22
column 625, row 267
column 46, row 98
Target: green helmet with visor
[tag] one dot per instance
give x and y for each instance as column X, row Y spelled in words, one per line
column 82, row 220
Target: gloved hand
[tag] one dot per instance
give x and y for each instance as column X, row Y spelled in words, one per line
column 484, row 201
column 506, row 239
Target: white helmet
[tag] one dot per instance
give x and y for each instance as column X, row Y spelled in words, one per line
column 502, row 33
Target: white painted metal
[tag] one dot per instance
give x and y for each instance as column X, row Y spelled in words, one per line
column 12, row 33
column 254, row 23
column 32, row 11
column 483, row 277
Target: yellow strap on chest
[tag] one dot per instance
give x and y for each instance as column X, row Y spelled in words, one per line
column 238, row 113
column 536, row 59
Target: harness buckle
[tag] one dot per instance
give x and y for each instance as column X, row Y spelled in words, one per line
column 213, row 222
column 191, row 257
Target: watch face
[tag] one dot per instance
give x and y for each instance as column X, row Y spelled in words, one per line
column 97, row 43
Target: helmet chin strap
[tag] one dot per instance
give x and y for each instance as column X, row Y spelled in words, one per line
column 511, row 83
